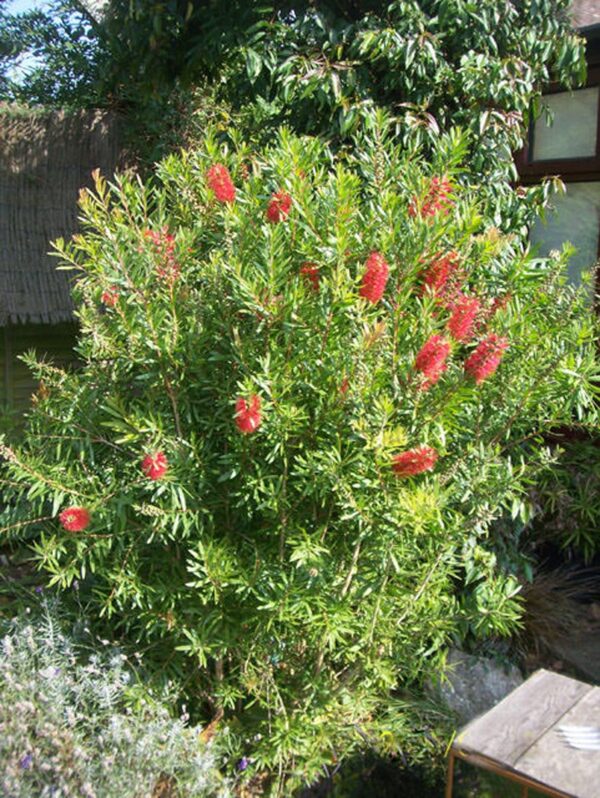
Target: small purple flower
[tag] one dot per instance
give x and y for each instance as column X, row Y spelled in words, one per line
column 39, row 589
column 25, row 761
column 243, row 764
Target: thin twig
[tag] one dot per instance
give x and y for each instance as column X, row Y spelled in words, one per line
column 351, row 571
column 424, row 584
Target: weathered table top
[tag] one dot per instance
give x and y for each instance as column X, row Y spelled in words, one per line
column 519, row 734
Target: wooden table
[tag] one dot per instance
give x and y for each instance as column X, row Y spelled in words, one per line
column 517, row 738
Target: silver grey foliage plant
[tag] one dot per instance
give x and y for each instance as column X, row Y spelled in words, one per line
column 66, row 730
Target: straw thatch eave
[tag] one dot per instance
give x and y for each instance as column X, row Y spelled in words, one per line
column 45, row 158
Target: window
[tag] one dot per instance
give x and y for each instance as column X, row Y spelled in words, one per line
column 575, row 219
column 570, row 147
column 574, row 129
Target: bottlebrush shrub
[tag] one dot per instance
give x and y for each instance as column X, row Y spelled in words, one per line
column 320, row 532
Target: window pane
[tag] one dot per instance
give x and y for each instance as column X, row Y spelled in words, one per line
column 573, row 132
column 576, row 219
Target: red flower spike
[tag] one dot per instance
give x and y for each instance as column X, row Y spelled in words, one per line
column 431, row 358
column 440, row 271
column 461, row 324
column 344, row 386
column 75, row 519
column 169, row 273
column 248, row 417
column 375, row 278
column 279, row 207
column 163, row 242
column 436, row 200
column 432, row 379
column 414, row 461
column 220, row 183
column 484, row 361
column 310, row 273
column 110, row 297
column 155, row 465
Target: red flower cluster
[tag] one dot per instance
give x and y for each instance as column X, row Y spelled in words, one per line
column 310, row 272
column 440, row 272
column 279, row 207
column 75, row 519
column 414, row 461
column 465, row 311
column 163, row 243
column 484, row 361
column 437, row 199
column 155, row 465
column 248, row 417
column 110, row 297
column 220, row 183
column 375, row 278
column 431, row 359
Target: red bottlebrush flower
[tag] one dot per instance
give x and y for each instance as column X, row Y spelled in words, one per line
column 75, row 519
column 169, row 272
column 155, row 465
column 163, row 243
column 414, row 461
column 441, row 189
column 220, row 183
column 431, row 359
column 484, row 361
column 375, row 278
column 436, row 200
column 110, row 297
column 440, row 271
column 344, row 387
column 247, row 414
column 154, row 236
column 310, row 273
column 461, row 324
column 279, row 207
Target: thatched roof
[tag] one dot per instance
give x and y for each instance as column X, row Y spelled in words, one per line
column 45, row 158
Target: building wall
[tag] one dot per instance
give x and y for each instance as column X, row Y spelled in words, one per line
column 53, row 342
column 46, row 157
column 45, row 160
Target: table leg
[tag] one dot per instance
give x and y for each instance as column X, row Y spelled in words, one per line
column 450, row 775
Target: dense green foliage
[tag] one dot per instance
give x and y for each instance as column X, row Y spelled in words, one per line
column 320, row 67
column 76, row 720
column 432, row 63
column 566, row 500
column 297, row 589
column 270, row 557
